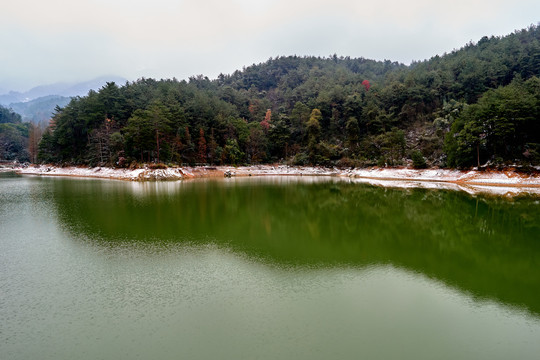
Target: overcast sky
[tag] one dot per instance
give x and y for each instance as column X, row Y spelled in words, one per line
column 43, row 42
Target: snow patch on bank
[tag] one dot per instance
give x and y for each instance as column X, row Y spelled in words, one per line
column 509, row 183
column 487, row 177
column 105, row 173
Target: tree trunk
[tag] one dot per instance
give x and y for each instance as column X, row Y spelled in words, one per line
column 478, row 155
column 157, row 142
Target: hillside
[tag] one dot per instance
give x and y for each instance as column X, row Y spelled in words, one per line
column 14, row 136
column 39, row 110
column 478, row 104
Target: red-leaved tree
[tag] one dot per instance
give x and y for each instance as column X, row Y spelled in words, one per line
column 366, row 84
column 266, row 122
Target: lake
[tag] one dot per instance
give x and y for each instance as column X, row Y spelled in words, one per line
column 265, row 268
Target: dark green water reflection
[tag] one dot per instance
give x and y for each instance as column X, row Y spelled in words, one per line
column 486, row 246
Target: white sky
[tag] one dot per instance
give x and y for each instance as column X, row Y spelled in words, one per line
column 43, row 42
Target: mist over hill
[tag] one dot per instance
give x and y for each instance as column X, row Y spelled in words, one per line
column 39, row 110
column 58, row 89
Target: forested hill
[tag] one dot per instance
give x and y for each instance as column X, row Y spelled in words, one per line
column 474, row 105
column 14, row 136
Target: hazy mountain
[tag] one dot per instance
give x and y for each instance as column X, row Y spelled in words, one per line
column 40, row 109
column 10, row 97
column 59, row 89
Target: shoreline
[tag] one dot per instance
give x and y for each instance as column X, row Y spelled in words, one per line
column 506, row 182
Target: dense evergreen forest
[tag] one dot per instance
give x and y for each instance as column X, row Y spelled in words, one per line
column 476, row 105
column 13, row 136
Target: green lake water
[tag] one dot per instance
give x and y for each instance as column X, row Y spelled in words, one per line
column 265, row 268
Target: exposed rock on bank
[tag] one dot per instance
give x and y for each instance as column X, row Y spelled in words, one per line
column 102, row 172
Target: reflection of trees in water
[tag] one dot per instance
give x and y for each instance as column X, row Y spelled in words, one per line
column 487, row 246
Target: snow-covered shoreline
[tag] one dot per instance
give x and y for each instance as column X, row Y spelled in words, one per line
column 495, row 182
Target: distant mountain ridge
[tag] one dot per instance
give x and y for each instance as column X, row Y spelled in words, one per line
column 59, row 89
column 40, row 109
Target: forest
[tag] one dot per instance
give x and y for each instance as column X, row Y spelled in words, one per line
column 14, row 136
column 473, row 107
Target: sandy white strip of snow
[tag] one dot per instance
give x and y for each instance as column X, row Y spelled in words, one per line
column 495, row 182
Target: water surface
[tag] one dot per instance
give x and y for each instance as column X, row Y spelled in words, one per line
column 264, row 268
